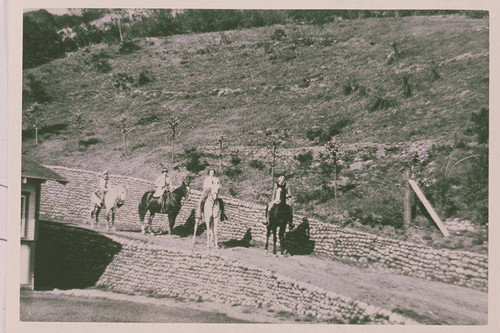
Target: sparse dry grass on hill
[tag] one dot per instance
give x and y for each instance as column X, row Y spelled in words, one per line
column 240, row 89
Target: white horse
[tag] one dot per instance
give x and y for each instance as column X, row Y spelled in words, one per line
column 212, row 215
column 113, row 200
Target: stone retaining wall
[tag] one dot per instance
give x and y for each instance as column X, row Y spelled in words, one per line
column 71, row 203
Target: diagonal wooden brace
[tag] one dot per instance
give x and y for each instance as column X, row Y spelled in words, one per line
column 428, row 206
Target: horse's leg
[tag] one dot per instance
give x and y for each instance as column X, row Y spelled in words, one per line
column 113, row 219
column 143, row 210
column 150, row 221
column 94, row 209
column 97, row 217
column 207, row 222
column 195, row 228
column 274, row 240
column 282, row 235
column 92, row 216
column 108, row 214
column 267, row 237
column 143, row 231
column 171, row 221
column 216, row 222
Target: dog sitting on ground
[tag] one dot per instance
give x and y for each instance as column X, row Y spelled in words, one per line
column 244, row 242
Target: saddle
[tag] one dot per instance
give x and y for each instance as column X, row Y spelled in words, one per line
column 161, row 199
column 223, row 216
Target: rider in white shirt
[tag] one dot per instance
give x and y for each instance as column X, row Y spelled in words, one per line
column 208, row 182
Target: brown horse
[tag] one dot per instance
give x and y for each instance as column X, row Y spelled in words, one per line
column 153, row 205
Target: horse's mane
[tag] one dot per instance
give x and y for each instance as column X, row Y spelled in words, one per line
column 117, row 189
column 178, row 189
column 280, row 192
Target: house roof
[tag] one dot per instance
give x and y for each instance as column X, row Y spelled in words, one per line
column 34, row 170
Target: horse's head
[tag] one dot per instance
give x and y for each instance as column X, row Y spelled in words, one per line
column 214, row 190
column 185, row 190
column 121, row 194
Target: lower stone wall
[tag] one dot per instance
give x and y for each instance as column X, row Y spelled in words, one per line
column 153, row 270
column 71, row 203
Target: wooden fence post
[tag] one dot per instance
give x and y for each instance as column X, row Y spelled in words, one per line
column 407, row 200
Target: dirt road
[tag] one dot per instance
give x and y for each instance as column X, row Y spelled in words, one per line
column 101, row 306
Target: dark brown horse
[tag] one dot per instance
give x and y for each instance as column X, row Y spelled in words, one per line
column 153, row 205
column 279, row 216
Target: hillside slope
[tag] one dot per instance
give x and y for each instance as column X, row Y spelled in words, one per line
column 246, row 83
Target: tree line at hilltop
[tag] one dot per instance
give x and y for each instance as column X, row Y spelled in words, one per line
column 47, row 37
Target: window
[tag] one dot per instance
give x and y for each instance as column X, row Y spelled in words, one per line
column 24, row 213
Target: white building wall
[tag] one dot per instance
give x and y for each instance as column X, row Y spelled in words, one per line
column 30, row 222
column 28, row 236
column 26, row 271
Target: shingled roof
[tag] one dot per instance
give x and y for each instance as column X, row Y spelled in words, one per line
column 33, row 170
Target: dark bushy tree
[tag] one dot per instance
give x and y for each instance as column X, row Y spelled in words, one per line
column 36, row 91
column 41, row 42
column 481, row 123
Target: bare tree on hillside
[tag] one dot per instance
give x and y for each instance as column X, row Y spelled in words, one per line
column 125, row 129
column 221, row 147
column 332, row 155
column 277, row 138
column 173, row 124
column 35, row 116
column 79, row 121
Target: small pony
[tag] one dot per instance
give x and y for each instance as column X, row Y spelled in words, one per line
column 114, row 199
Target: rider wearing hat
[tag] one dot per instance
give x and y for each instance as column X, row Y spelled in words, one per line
column 162, row 186
column 100, row 193
column 103, row 185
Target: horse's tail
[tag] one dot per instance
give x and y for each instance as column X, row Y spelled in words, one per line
column 143, row 205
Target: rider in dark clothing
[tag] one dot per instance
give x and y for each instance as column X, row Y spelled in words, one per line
column 283, row 186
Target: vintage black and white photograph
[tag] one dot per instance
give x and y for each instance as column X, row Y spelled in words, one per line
column 325, row 166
